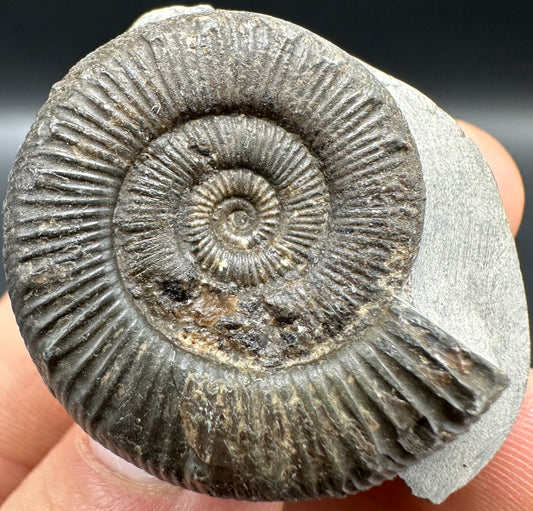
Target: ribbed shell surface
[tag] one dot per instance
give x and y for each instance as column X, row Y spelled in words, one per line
column 206, row 229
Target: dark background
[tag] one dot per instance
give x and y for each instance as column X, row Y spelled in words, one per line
column 473, row 57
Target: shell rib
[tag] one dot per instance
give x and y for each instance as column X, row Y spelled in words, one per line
column 207, row 230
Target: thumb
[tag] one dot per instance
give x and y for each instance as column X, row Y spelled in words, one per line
column 79, row 474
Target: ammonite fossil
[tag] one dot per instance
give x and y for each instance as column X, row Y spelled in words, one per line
column 210, row 236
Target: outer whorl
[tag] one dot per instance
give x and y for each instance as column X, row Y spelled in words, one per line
column 206, row 232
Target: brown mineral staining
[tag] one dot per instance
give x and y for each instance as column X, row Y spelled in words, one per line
column 440, row 377
column 209, row 307
column 460, row 362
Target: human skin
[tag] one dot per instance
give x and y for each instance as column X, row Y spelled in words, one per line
column 48, row 463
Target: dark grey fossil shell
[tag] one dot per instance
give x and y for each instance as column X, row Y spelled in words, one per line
column 207, row 233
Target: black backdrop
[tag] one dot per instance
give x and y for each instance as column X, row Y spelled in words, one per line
column 473, row 57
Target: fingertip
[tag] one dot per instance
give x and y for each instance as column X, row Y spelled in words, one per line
column 505, row 171
column 164, row 495
column 120, row 466
column 31, row 420
column 78, row 475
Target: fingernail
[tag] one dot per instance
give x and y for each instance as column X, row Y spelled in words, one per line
column 119, row 465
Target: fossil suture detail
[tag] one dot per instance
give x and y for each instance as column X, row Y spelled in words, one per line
column 209, row 233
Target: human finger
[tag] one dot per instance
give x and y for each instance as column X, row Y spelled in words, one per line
column 72, row 476
column 31, row 420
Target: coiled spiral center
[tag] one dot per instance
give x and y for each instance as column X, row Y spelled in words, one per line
column 236, row 221
column 231, row 199
column 233, row 213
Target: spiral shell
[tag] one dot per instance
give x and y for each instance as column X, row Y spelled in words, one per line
column 207, row 233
